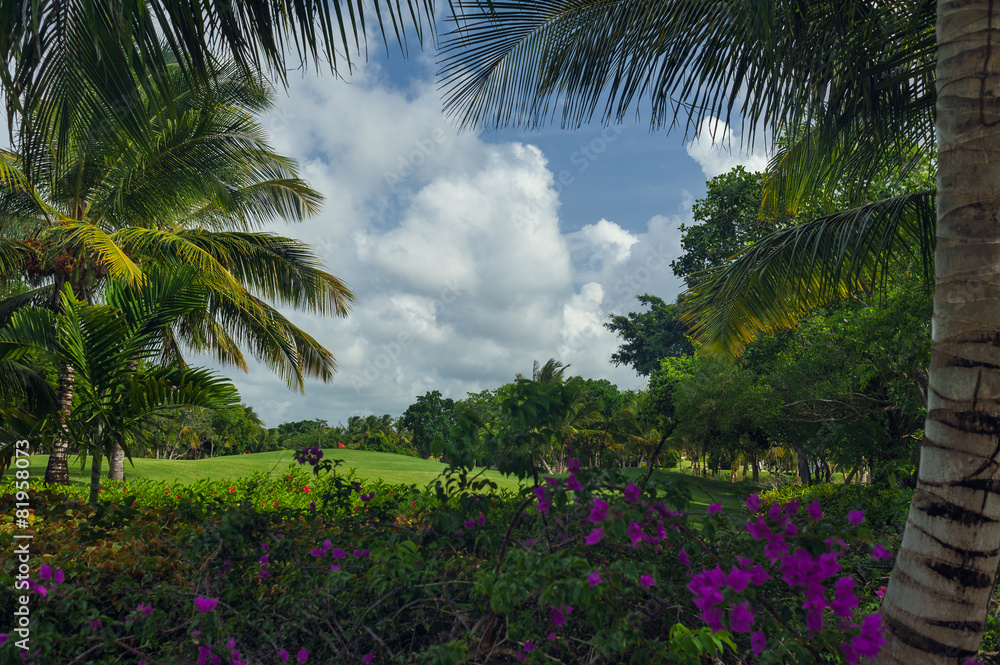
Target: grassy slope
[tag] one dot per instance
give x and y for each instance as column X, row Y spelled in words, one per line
column 371, row 466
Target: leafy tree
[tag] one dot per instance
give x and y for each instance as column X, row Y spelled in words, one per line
column 430, row 420
column 728, row 221
column 649, row 336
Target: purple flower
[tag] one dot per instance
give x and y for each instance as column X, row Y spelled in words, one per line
column 572, row 465
column 792, row 507
column 283, row 655
column 774, row 512
column 594, row 537
column 880, row 552
column 145, row 610
column 205, row 656
column 855, row 517
column 757, row 643
column 815, row 513
column 205, row 604
column 741, row 618
column 635, row 533
column 738, row 579
column 632, row 492
column 45, row 572
column 368, row 497
column 594, row 578
column 753, row 503
column 339, row 553
column 844, row 600
column 870, row 640
column 682, row 556
column 361, row 554
column 95, row 624
column 481, row 520
column 367, row 658
column 334, row 568
column 552, row 637
column 599, row 511
column 572, row 483
column 317, row 552
column 814, row 619
column 558, row 614
column 302, row 655
column 647, row 581
column 3, row 638
column 850, row 655
column 715, row 508
column 58, row 577
column 469, row 523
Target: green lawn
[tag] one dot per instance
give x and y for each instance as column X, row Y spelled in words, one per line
column 371, row 466
column 367, row 465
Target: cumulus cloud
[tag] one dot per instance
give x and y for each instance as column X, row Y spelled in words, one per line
column 455, row 250
column 718, row 149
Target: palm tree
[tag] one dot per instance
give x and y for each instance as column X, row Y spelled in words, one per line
column 208, row 181
column 870, row 85
column 109, row 348
column 99, row 57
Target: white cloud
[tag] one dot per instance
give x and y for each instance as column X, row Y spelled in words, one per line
column 454, row 249
column 718, row 149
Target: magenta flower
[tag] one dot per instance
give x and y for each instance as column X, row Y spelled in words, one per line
column 3, row 638
column 635, row 533
column 469, row 523
column 481, row 520
column 815, row 513
column 880, row 552
column 738, row 579
column 558, row 615
column 205, row 656
column 647, row 581
column 145, row 610
column 58, row 577
column 367, row 658
column 599, row 511
column 682, row 556
column 339, row 553
column 870, row 640
column 757, row 643
column 632, row 492
column 774, row 512
column 814, row 619
column 572, row 465
column 572, row 483
column 205, row 604
column 361, row 554
column 95, row 624
column 283, row 655
column 594, row 537
column 594, row 578
column 855, row 517
column 741, row 618
column 368, row 497
column 551, row 638
column 334, row 568
column 45, row 572
column 844, row 600
column 302, row 655
column 753, row 503
column 792, row 507
column 715, row 508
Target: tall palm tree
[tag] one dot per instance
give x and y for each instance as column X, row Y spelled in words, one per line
column 871, row 84
column 194, row 192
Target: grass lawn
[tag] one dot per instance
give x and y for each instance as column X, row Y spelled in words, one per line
column 373, row 466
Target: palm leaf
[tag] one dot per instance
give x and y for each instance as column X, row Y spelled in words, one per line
column 776, row 281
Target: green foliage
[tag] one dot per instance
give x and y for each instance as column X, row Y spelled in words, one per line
column 649, row 336
column 430, row 419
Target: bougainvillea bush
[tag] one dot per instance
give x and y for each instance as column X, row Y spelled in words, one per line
column 316, row 567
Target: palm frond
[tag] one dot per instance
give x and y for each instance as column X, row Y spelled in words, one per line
column 776, row 281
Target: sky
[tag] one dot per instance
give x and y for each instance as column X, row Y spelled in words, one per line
column 472, row 254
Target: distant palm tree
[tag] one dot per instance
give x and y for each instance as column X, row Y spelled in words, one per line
column 194, row 193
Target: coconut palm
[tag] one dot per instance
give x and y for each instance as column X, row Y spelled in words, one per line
column 109, row 348
column 194, row 193
column 100, row 57
column 868, row 82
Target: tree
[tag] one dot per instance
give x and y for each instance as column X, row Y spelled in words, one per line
column 649, row 336
column 209, row 179
column 109, row 348
column 869, row 84
column 430, row 420
column 728, row 221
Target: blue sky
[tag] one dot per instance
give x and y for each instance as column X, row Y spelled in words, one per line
column 471, row 253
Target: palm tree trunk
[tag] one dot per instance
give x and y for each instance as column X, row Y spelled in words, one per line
column 116, row 463
column 935, row 605
column 57, row 470
column 95, row 477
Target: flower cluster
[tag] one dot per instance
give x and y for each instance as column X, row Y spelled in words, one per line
column 310, row 456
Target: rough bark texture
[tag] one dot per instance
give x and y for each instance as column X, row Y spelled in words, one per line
column 116, row 464
column 57, row 470
column 936, row 602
